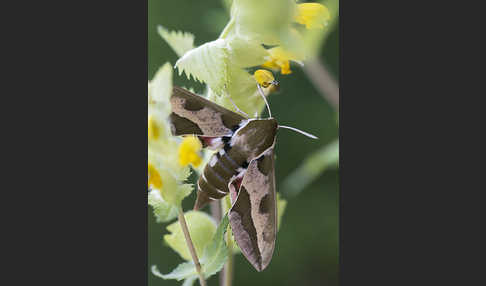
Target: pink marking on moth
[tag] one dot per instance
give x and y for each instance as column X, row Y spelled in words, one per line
column 235, row 187
column 211, row 142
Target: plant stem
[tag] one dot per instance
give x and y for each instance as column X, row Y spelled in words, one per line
column 323, row 81
column 226, row 276
column 216, row 210
column 183, row 223
column 229, row 266
column 227, row 29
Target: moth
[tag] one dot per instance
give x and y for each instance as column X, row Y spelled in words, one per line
column 243, row 167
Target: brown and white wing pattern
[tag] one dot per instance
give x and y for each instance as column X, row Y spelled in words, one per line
column 193, row 114
column 253, row 216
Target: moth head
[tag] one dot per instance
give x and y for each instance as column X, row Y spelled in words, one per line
column 254, row 137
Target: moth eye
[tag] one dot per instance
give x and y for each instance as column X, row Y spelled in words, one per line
column 234, row 128
column 225, row 139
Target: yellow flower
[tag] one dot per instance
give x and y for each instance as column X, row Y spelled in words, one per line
column 312, row 15
column 154, row 179
column 189, row 151
column 264, row 78
column 153, row 129
column 279, row 59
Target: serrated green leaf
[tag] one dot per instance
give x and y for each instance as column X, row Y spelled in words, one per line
column 182, row 271
column 243, row 91
column 180, row 42
column 172, row 191
column 201, row 228
column 315, row 164
column 216, row 252
column 244, row 54
column 163, row 211
column 206, row 63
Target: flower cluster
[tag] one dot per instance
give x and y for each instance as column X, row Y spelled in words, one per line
column 168, row 157
column 243, row 46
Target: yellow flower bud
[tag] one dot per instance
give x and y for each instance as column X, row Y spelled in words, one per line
column 189, row 151
column 312, row 15
column 154, row 179
column 264, row 78
column 153, row 129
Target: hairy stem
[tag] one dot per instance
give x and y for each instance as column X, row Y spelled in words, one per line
column 192, row 250
column 323, row 81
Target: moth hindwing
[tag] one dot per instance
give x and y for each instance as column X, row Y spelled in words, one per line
column 243, row 167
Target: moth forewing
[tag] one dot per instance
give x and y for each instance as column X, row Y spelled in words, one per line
column 253, row 215
column 194, row 115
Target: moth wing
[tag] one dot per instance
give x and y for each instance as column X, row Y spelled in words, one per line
column 193, row 114
column 253, row 216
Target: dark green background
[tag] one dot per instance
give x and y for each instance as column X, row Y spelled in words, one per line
column 307, row 245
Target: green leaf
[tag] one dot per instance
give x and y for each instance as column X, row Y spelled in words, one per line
column 183, row 271
column 245, row 54
column 313, row 166
column 163, row 211
column 212, row 261
column 180, row 42
column 206, row 63
column 216, row 253
column 172, row 191
column 201, row 228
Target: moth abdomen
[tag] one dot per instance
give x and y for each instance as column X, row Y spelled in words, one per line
column 218, row 173
column 210, row 190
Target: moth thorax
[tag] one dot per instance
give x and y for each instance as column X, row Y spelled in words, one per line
column 255, row 137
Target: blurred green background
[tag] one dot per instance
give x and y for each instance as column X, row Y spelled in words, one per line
column 307, row 245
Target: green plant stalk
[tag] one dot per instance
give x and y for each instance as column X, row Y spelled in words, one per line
column 229, row 266
column 226, row 276
column 190, row 245
column 227, row 29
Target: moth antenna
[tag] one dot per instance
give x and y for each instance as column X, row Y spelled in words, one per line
column 237, row 109
column 299, row 131
column 265, row 99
